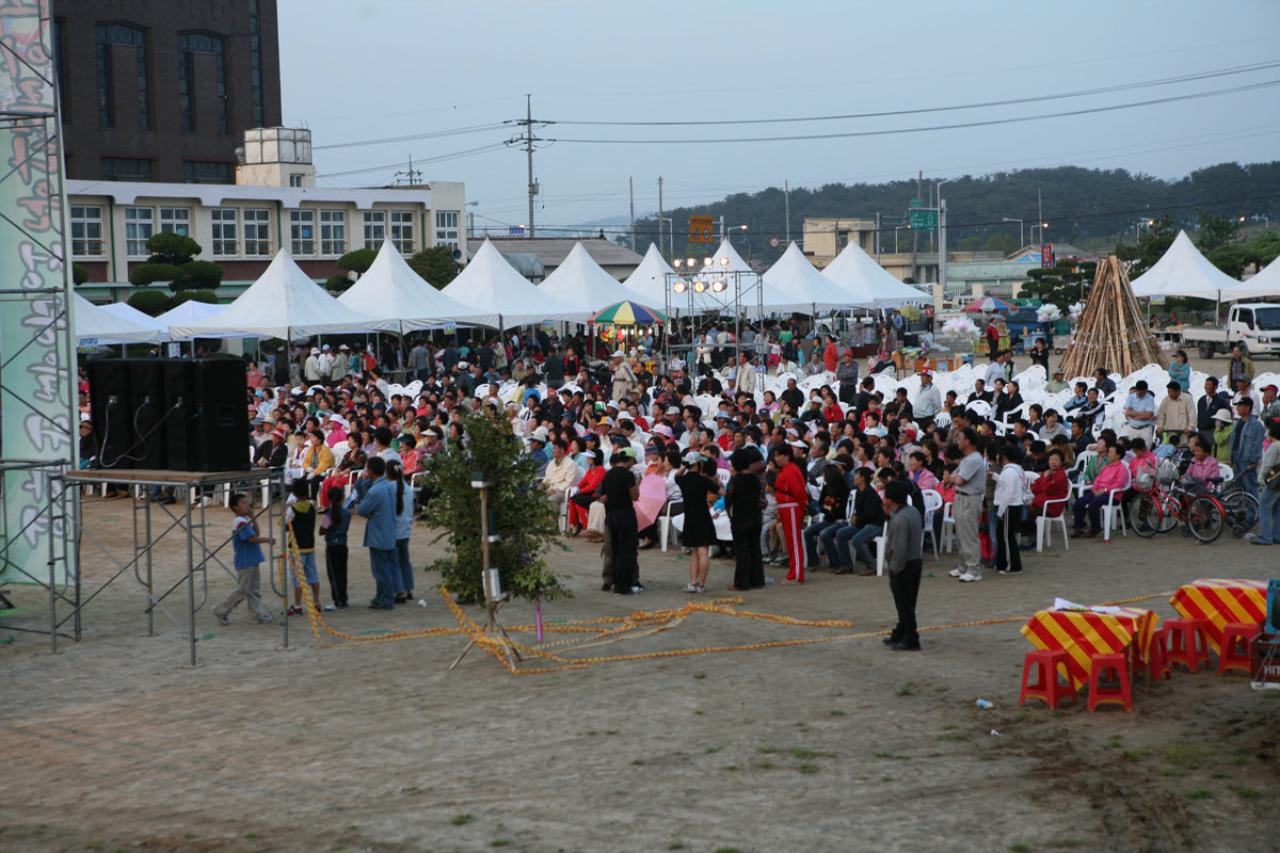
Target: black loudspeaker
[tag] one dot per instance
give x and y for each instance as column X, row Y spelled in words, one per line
column 109, row 404
column 179, row 426
column 221, row 418
column 147, row 413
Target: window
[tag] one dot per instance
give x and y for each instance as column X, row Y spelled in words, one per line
column 175, row 220
column 333, row 232
column 302, row 232
column 402, row 231
column 255, row 62
column 447, row 228
column 198, row 172
column 122, row 36
column 257, row 231
column 224, row 230
column 86, row 230
column 295, row 179
column 189, row 44
column 127, row 169
column 375, row 228
column 139, row 225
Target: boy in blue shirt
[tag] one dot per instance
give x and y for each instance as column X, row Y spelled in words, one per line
column 247, row 545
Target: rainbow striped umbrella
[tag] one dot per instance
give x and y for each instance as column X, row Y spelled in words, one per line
column 628, row 313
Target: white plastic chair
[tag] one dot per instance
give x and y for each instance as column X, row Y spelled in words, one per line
column 932, row 503
column 948, row 528
column 664, row 522
column 723, row 474
column 1226, row 472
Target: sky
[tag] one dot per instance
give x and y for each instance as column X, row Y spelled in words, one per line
column 400, row 68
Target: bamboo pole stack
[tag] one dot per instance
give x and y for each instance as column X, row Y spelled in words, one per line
column 1111, row 333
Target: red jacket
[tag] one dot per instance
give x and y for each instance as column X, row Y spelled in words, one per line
column 1050, row 486
column 789, row 486
column 830, row 358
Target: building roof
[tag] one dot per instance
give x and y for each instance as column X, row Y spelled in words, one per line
column 551, row 251
column 1031, row 252
column 214, row 195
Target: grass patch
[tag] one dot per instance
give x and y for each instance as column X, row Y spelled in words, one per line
column 891, row 756
column 676, row 845
column 500, row 842
column 836, row 712
column 732, row 768
column 699, row 712
column 950, row 727
column 728, row 850
column 1064, row 843
column 1200, row 794
column 1244, row 793
column 637, row 762
column 1135, row 754
column 461, row 819
column 801, row 753
column 1020, row 847
column 611, row 731
column 763, row 765
column 952, row 736
column 908, row 689
column 1188, row 755
column 699, row 675
column 809, row 769
column 712, row 750
column 768, row 750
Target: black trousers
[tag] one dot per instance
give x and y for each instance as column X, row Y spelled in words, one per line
column 624, row 545
column 1008, row 554
column 335, row 565
column 748, row 571
column 905, row 586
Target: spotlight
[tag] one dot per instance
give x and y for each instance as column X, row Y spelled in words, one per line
column 679, row 286
column 699, row 286
column 724, row 259
column 706, row 262
column 719, row 286
column 676, row 263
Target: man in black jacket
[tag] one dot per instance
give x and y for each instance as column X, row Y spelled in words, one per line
column 1211, row 403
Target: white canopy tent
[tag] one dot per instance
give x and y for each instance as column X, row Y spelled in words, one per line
column 1265, row 283
column 490, row 285
column 1183, row 271
column 391, row 291
column 125, row 311
column 649, row 279
column 727, row 266
column 283, row 303
column 866, row 283
column 189, row 312
column 794, row 280
column 94, row 326
column 581, row 282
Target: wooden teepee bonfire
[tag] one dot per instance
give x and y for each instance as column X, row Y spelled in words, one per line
column 1111, row 332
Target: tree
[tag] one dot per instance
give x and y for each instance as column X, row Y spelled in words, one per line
column 337, row 283
column 79, row 275
column 524, row 522
column 151, row 302
column 436, row 265
column 199, row 275
column 206, row 296
column 1215, row 231
column 1150, row 247
column 357, row 261
column 1062, row 285
column 149, row 273
column 176, row 249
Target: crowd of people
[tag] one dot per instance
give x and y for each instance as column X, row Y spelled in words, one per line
column 753, row 454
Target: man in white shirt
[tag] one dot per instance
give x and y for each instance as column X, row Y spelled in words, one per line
column 311, row 368
column 562, row 472
column 746, row 377
column 928, row 401
column 325, row 364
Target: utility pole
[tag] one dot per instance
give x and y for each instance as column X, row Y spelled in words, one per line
column 786, row 204
column 940, row 289
column 915, row 235
column 411, row 175
column 877, row 236
column 1039, row 216
column 631, row 185
column 661, row 221
column 527, row 139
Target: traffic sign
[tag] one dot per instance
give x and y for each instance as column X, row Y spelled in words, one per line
column 922, row 219
column 701, row 229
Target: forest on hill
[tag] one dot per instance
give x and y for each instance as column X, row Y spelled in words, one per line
column 1090, row 208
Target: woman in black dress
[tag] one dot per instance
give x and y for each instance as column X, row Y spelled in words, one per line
column 697, row 482
column 743, row 500
column 620, row 491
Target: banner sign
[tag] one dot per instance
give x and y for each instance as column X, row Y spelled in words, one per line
column 36, row 391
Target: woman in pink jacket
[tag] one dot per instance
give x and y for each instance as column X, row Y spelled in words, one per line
column 1113, row 475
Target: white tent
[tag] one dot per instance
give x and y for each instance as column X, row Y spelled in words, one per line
column 1265, row 283
column 866, row 283
column 391, row 290
column 1183, row 271
column 282, row 303
column 490, row 285
column 94, row 325
column 188, row 312
column 727, row 268
column 649, row 279
column 125, row 311
column 581, row 282
column 794, row 280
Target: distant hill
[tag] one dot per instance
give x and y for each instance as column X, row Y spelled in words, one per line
column 1088, row 207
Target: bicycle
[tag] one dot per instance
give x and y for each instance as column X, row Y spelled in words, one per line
column 1240, row 508
column 1160, row 511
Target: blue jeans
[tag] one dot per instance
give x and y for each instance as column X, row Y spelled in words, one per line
column 1269, row 515
column 1248, row 480
column 811, row 534
column 405, row 574
column 855, row 539
column 385, row 566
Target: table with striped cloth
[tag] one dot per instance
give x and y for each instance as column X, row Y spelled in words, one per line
column 1084, row 633
column 1217, row 601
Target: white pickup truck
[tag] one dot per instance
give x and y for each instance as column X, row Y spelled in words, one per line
column 1253, row 325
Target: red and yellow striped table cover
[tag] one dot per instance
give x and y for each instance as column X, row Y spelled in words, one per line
column 1217, row 601
column 1084, row 633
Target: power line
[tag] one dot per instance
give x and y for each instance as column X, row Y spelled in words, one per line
column 905, row 130
column 440, row 158
column 1078, row 93
column 410, row 137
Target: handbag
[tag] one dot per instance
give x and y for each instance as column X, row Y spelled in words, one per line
column 1272, row 480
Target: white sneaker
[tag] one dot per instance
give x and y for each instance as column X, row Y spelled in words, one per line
column 222, row 619
column 264, row 618
column 637, row 589
column 957, row 571
column 691, row 587
column 970, row 577
column 329, row 608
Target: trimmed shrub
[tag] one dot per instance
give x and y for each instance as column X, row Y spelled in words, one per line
column 197, row 295
column 198, row 275
column 151, row 302
column 173, row 249
column 357, row 261
column 148, row 273
column 337, row 283
column 79, row 275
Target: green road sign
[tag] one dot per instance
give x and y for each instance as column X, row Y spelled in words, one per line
column 922, row 220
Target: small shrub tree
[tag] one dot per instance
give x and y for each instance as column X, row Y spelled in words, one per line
column 79, row 275
column 524, row 521
column 337, row 283
column 436, row 265
column 357, row 261
column 149, row 273
column 151, row 302
column 176, row 249
column 199, row 275
column 193, row 296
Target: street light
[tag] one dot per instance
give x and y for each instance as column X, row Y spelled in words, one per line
column 1021, row 242
column 1042, row 226
column 671, row 235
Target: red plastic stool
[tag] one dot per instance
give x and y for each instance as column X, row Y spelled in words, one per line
column 1158, row 657
column 1047, row 687
column 1186, row 643
column 1236, row 637
column 1122, row 694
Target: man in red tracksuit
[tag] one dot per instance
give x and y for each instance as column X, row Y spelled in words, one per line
column 789, row 489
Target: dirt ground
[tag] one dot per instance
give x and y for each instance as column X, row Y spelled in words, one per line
column 115, row 743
